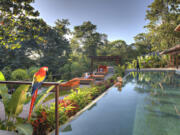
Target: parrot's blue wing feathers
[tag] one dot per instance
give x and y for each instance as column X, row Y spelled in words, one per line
column 36, row 86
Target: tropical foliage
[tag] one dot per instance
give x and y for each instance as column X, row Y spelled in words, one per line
column 13, row 106
column 27, row 42
column 149, row 61
column 163, row 16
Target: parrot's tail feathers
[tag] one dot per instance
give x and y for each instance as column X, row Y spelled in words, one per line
column 35, row 96
column 32, row 104
column 31, row 107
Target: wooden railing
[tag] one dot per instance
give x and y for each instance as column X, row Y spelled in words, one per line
column 44, row 84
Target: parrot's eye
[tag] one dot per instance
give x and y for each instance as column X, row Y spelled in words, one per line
column 45, row 68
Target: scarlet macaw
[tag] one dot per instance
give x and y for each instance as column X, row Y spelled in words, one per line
column 38, row 78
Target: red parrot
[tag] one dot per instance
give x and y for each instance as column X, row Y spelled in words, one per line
column 38, row 78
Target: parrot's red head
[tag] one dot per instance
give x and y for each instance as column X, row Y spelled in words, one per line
column 44, row 69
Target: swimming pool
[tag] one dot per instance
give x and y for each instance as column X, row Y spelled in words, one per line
column 148, row 104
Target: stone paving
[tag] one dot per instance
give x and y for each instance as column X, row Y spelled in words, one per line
column 3, row 132
column 178, row 71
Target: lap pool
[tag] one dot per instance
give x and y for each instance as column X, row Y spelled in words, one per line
column 148, row 104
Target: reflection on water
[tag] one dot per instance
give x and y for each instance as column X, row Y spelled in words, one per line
column 149, row 104
column 157, row 112
column 67, row 128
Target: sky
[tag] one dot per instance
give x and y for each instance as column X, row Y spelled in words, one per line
column 119, row 19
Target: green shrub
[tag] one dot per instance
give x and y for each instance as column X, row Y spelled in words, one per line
column 81, row 97
column 7, row 72
column 120, row 70
column 32, row 71
column 94, row 92
column 49, row 78
column 19, row 74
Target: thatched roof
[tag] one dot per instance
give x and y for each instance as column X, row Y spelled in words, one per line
column 177, row 28
column 172, row 50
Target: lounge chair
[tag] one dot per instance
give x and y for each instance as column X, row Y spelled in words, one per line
column 85, row 80
column 97, row 77
column 71, row 84
column 102, row 70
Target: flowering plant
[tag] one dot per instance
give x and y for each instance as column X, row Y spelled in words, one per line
column 40, row 125
column 73, row 108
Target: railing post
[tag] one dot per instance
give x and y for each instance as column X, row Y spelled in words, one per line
column 91, row 72
column 57, row 109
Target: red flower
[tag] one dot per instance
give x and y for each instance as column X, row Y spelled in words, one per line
column 43, row 114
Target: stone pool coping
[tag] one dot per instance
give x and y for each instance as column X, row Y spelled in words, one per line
column 4, row 132
column 178, row 72
column 153, row 69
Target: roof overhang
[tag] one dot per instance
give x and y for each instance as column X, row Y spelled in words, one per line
column 173, row 50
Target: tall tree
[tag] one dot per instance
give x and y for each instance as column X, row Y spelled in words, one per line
column 119, row 48
column 55, row 51
column 143, row 43
column 18, row 22
column 164, row 16
column 88, row 38
column 61, row 27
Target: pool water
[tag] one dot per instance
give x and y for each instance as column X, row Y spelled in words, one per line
column 148, row 104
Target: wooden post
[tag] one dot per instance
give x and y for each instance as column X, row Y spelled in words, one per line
column 170, row 61
column 117, row 61
column 91, row 65
column 173, row 61
column 177, row 61
column 57, row 109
